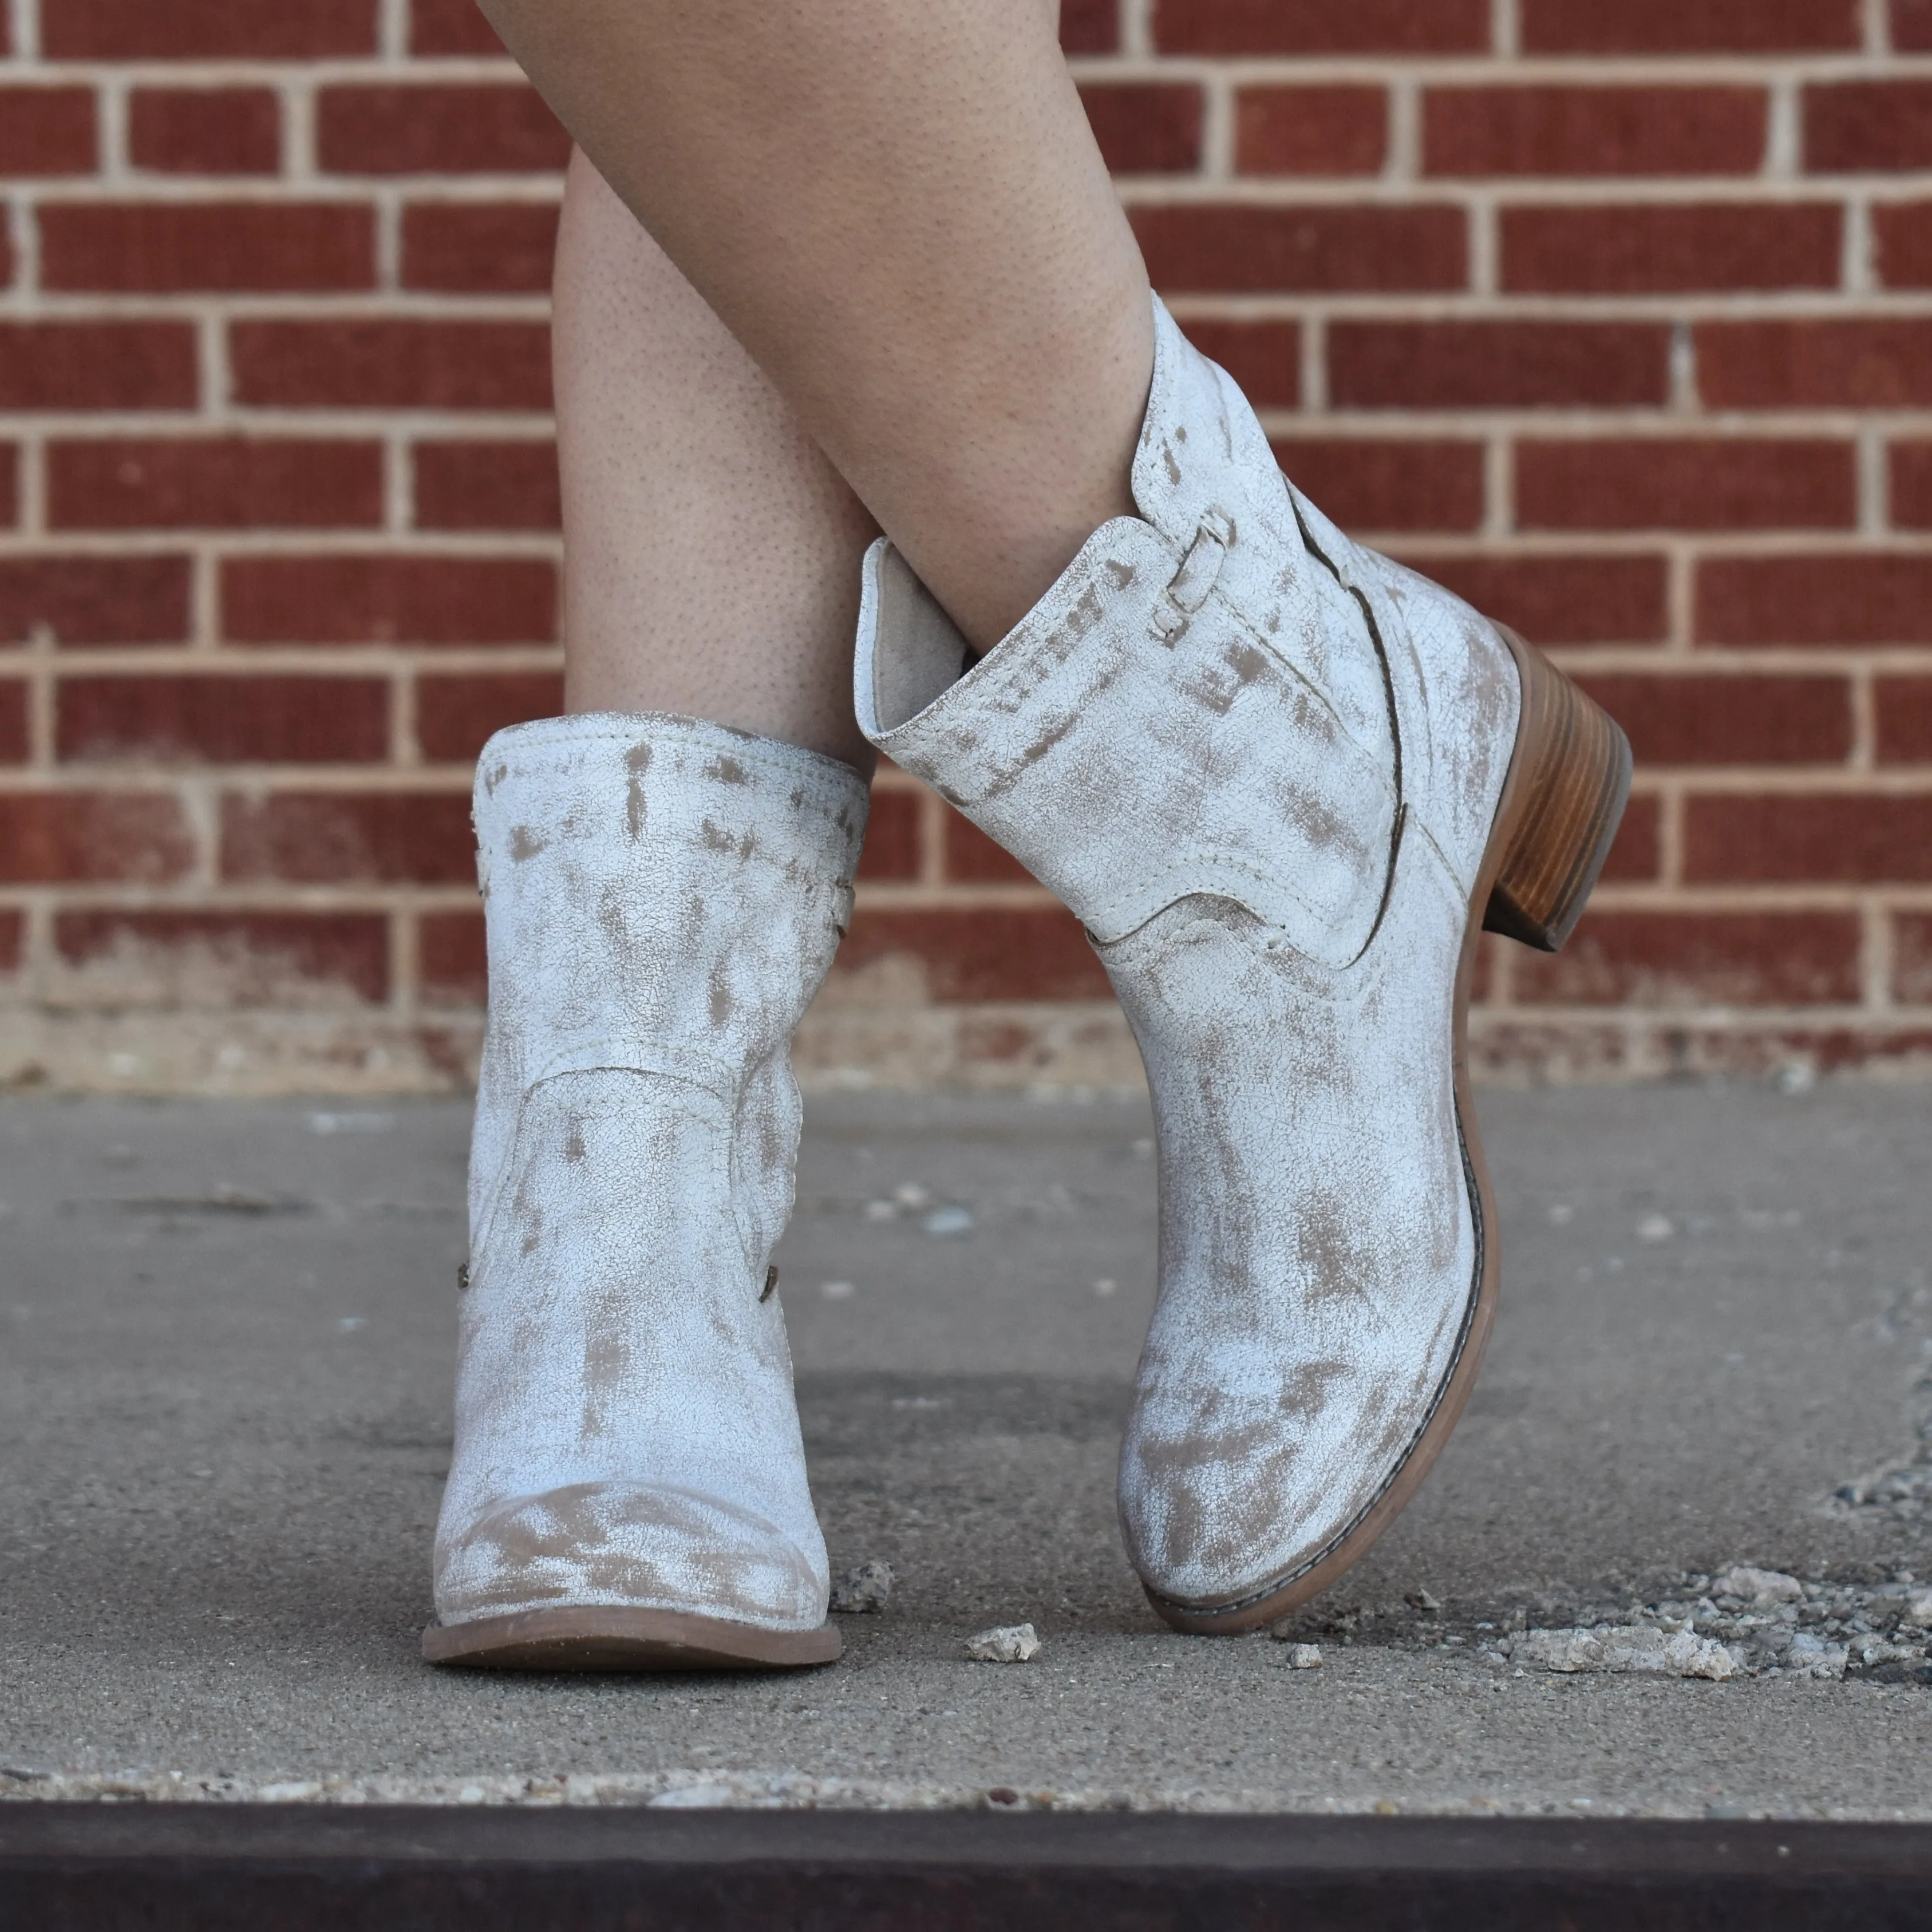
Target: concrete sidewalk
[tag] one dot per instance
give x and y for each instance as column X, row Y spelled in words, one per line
column 224, row 1412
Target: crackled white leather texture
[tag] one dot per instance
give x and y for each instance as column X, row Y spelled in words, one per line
column 663, row 897
column 1261, row 765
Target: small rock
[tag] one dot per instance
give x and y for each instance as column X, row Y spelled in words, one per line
column 945, row 1223
column 1757, row 1587
column 838, row 1290
column 1918, row 1608
column 1896, row 1670
column 1006, row 1643
column 1426, row 1601
column 865, row 1591
column 1637, row 1649
column 1304, row 1656
column 1809, row 1656
column 1655, row 1228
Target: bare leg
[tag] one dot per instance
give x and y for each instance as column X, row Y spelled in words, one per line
column 901, row 213
column 711, row 552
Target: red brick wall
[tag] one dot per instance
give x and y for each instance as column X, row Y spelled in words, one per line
column 1616, row 314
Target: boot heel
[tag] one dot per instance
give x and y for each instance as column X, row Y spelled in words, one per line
column 1568, row 782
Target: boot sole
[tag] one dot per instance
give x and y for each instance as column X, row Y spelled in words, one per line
column 1569, row 778
column 601, row 1637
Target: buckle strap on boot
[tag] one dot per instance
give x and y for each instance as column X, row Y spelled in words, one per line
column 1188, row 589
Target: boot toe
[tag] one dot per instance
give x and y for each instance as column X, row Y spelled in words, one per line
column 1217, row 1520
column 634, row 1545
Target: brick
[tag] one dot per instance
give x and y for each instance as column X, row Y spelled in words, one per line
column 462, row 248
column 1561, row 600
column 1698, row 959
column 204, row 131
column 1911, row 489
column 206, row 29
column 94, row 600
column 1871, row 364
column 1911, row 25
column 98, row 365
column 1145, row 128
column 967, row 855
column 213, row 483
column 1903, row 709
column 86, row 838
column 224, row 720
column 1232, row 249
column 892, row 840
column 450, row 27
column 1311, row 130
column 1861, row 126
column 1689, row 26
column 1498, row 365
column 384, row 598
column 128, row 247
column 13, row 741
column 447, row 127
column 1300, row 27
column 10, row 485
column 367, row 838
column 456, row 715
column 1090, row 26
column 1263, row 357
column 1912, row 958
column 486, row 486
column 1410, row 484
column 1855, row 597
column 392, row 364
column 229, row 958
column 1902, row 234
column 1594, row 131
column 1749, row 719
column 47, row 130
column 1655, row 483
column 982, row 952
column 1828, row 838
column 1637, row 250
column 453, row 958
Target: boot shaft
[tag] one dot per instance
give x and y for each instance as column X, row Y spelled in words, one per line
column 659, row 884
column 665, row 896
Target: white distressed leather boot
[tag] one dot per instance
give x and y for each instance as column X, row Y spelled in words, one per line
column 1284, row 783
column 627, row 1492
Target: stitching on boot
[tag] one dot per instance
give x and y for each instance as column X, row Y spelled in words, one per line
column 605, row 1055
column 1321, row 556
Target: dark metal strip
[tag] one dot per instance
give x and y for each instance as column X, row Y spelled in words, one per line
column 217, row 1868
